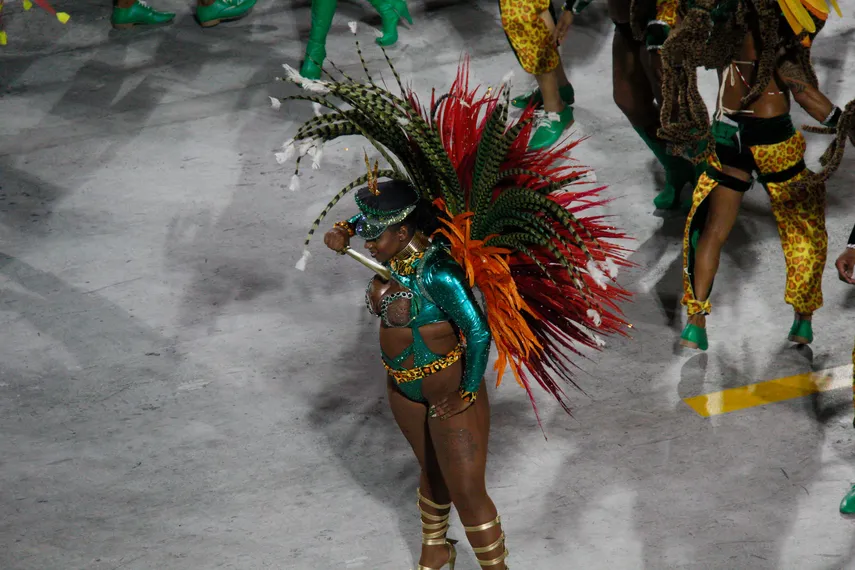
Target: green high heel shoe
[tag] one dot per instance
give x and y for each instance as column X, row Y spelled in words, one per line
column 390, row 12
column 847, row 505
column 567, row 94
column 801, row 332
column 694, row 337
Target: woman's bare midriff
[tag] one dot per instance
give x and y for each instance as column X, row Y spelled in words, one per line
column 440, row 338
column 773, row 102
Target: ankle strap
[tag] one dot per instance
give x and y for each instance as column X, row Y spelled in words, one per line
column 430, row 503
column 484, row 526
column 494, row 561
column 494, row 546
column 483, row 549
column 432, row 517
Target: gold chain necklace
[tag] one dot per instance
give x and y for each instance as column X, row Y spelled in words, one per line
column 404, row 262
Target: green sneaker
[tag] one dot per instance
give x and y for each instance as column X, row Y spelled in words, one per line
column 521, row 102
column 140, row 14
column 549, row 127
column 801, row 332
column 847, row 505
column 694, row 337
column 222, row 11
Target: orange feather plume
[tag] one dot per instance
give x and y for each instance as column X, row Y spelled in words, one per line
column 487, row 267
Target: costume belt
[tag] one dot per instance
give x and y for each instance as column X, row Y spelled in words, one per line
column 413, row 374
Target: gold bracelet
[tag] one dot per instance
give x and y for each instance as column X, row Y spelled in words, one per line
column 346, row 226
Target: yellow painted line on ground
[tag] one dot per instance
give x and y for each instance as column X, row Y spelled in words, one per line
column 771, row 391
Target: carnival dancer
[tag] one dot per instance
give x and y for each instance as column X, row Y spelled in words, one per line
column 533, row 29
column 761, row 60
column 391, row 11
column 641, row 28
column 465, row 205
column 28, row 4
column 635, row 73
column 846, row 271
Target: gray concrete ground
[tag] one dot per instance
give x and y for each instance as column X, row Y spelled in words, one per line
column 174, row 394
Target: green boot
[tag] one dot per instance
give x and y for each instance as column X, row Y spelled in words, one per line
column 521, row 102
column 678, row 172
column 390, row 12
column 694, row 337
column 222, row 11
column 322, row 17
column 549, row 130
column 801, row 332
column 140, row 14
column 847, row 505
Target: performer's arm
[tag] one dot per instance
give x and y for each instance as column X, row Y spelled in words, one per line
column 845, row 264
column 447, row 285
column 807, row 95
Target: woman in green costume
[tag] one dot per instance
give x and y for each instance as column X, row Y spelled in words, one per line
column 476, row 240
column 322, row 15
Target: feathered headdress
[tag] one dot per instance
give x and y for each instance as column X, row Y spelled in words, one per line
column 512, row 216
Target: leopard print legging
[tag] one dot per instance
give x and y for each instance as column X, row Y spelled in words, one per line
column 800, row 216
column 529, row 35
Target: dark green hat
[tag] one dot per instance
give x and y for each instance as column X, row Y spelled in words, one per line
column 389, row 203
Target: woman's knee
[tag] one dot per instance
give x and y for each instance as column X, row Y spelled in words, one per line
column 471, row 502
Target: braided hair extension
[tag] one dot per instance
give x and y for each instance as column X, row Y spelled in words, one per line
column 709, row 36
column 833, row 155
column 683, row 114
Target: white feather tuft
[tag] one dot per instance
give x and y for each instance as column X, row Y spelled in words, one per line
column 595, row 316
column 312, row 85
column 596, row 273
column 316, row 107
column 306, row 146
column 281, row 157
column 315, row 86
column 316, row 157
column 288, row 149
column 600, row 342
column 611, row 268
column 508, row 77
column 275, row 103
column 301, row 264
column 352, row 26
column 402, row 121
column 293, row 74
column 295, row 183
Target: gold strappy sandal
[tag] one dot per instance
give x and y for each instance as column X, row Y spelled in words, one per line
column 433, row 533
column 499, row 542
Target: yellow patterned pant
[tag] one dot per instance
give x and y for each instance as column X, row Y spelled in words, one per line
column 529, row 35
column 800, row 217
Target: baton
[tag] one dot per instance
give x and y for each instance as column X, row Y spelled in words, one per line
column 377, row 268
